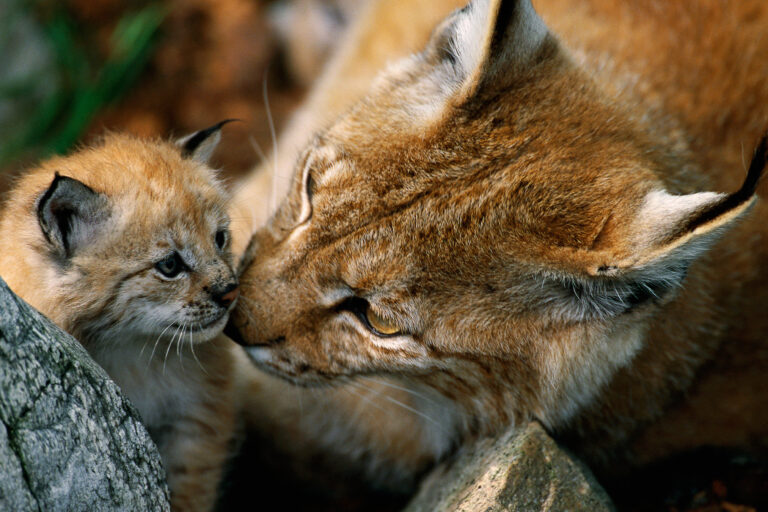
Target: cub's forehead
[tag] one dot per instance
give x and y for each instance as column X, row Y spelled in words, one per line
column 182, row 207
column 178, row 199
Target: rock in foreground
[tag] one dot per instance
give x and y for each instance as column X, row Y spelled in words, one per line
column 69, row 440
column 518, row 471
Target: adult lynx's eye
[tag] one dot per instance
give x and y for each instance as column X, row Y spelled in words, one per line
column 171, row 266
column 221, row 238
column 379, row 324
column 376, row 323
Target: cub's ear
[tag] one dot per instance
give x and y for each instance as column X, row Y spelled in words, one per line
column 70, row 214
column 650, row 255
column 487, row 41
column 200, row 145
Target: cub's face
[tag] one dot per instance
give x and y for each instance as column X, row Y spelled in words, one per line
column 137, row 238
column 484, row 221
column 171, row 270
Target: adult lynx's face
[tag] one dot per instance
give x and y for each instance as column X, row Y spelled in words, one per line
column 484, row 221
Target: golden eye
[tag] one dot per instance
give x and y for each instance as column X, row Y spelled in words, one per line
column 380, row 324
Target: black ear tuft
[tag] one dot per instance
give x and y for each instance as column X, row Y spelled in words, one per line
column 756, row 167
column 200, row 145
column 745, row 193
column 69, row 213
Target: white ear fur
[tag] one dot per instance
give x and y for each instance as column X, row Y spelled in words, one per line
column 662, row 213
column 201, row 145
column 668, row 233
column 664, row 240
column 469, row 38
column 489, row 36
column 204, row 151
column 70, row 215
column 668, row 226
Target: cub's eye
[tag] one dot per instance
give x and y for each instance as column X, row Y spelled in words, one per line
column 221, row 238
column 376, row 323
column 171, row 266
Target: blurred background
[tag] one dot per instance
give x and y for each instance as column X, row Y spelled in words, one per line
column 72, row 69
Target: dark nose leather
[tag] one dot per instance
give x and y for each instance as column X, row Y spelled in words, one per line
column 226, row 295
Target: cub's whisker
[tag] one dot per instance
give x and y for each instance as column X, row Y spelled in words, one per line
column 185, row 327
column 179, row 344
column 355, row 390
column 152, row 355
column 271, row 122
column 257, row 148
column 168, row 350
column 192, row 349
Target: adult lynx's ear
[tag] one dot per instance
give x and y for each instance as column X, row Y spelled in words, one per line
column 70, row 214
column 651, row 253
column 200, row 145
column 486, row 40
column 668, row 225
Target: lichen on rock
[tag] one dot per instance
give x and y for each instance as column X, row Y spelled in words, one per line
column 69, row 439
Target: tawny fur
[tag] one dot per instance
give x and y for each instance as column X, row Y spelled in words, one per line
column 110, row 296
column 502, row 214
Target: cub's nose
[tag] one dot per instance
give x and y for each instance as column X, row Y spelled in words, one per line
column 227, row 295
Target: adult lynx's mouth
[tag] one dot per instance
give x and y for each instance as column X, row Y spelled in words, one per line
column 297, row 373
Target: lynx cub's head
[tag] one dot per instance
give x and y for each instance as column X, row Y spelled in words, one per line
column 486, row 221
column 128, row 238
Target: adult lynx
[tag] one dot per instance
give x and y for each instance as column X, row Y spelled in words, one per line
column 515, row 223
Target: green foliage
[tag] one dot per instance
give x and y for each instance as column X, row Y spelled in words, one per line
column 83, row 83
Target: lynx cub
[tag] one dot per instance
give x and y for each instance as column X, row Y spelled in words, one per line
column 125, row 245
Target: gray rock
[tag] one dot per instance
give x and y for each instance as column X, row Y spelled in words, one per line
column 69, row 440
column 517, row 471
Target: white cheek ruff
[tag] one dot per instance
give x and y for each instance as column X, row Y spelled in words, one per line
column 401, row 342
column 259, row 354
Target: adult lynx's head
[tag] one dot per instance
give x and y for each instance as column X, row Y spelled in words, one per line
column 487, row 221
column 129, row 237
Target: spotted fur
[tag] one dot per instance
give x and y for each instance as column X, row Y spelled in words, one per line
column 82, row 238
